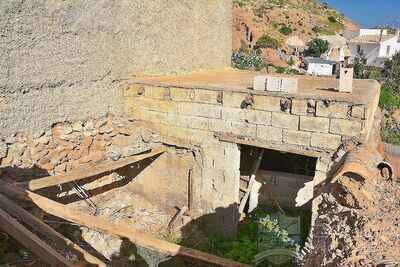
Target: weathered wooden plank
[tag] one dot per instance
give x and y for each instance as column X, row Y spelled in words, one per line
column 31, row 241
column 80, row 174
column 254, row 168
column 60, row 241
column 120, row 231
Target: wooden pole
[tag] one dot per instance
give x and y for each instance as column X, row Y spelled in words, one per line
column 121, row 230
column 254, row 169
column 60, row 241
column 80, row 174
column 31, row 241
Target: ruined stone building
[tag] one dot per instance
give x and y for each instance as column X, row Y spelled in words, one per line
column 84, row 83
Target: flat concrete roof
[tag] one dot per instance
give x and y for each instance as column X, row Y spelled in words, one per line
column 235, row 80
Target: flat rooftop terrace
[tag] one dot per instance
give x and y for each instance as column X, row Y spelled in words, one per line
column 364, row 91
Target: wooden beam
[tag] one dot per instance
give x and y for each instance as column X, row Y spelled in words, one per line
column 121, row 230
column 254, row 169
column 31, row 241
column 231, row 138
column 83, row 173
column 60, row 241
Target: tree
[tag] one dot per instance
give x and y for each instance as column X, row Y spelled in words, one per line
column 316, row 47
column 266, row 41
column 391, row 73
column 360, row 67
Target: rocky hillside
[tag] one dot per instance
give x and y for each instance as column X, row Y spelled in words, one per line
column 281, row 19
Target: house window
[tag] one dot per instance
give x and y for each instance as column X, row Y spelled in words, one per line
column 358, row 49
column 388, row 50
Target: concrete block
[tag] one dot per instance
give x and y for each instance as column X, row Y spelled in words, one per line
column 275, row 84
column 326, row 141
column 345, row 127
column 346, row 80
column 314, row 124
column 167, row 106
column 218, row 125
column 268, row 103
column 182, row 94
column 186, row 108
column 234, row 99
column 139, row 114
column 286, row 121
column 155, row 92
column 258, row 116
column 299, row 107
column 134, row 90
column 206, row 96
column 209, row 111
column 260, row 83
column 358, row 112
column 338, row 110
column 158, row 117
column 245, row 129
column 198, row 123
column 296, row 137
column 269, row 133
column 233, row 114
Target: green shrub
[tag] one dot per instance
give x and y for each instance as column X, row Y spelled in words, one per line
column 280, row 70
column 291, row 61
column 267, row 42
column 293, row 72
column 391, row 73
column 388, row 100
column 316, row 29
column 332, row 19
column 285, row 30
column 316, row 47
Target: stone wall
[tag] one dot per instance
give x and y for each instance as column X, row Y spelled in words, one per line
column 65, row 60
column 217, row 120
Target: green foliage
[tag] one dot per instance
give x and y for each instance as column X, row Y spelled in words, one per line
column 291, row 61
column 245, row 247
column 316, row 29
column 391, row 73
column 244, row 48
column 293, row 72
column 332, row 19
column 360, row 67
column 388, row 99
column 316, row 47
column 280, row 70
column 266, row 41
column 286, row 30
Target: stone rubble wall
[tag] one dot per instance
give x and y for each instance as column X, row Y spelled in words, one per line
column 68, row 146
column 65, row 60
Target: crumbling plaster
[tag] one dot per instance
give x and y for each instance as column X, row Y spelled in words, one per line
column 65, row 60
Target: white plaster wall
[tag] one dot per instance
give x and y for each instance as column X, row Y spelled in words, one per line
column 320, row 69
column 371, row 52
column 364, row 32
column 394, row 47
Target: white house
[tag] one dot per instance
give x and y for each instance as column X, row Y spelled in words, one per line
column 351, row 34
column 377, row 48
column 321, row 67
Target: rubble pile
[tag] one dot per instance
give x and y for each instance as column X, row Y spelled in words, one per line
column 358, row 221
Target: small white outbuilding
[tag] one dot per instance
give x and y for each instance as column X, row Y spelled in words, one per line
column 321, row 67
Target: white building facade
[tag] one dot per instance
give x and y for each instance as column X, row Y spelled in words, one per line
column 321, row 67
column 377, row 48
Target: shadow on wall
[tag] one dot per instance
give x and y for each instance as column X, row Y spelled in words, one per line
column 223, row 222
column 96, row 185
